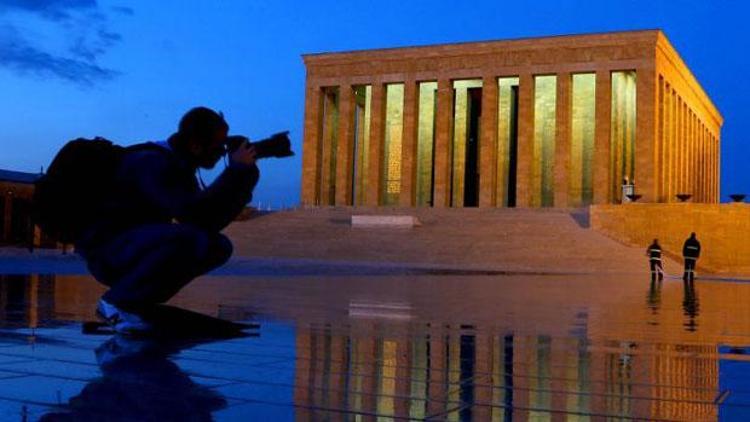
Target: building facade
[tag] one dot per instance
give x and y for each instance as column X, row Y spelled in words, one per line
column 542, row 122
column 15, row 207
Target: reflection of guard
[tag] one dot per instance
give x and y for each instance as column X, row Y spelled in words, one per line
column 690, row 306
column 691, row 250
column 654, row 259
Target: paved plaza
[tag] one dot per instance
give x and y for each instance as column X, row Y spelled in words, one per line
column 404, row 345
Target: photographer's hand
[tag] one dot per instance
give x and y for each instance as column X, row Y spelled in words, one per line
column 244, row 155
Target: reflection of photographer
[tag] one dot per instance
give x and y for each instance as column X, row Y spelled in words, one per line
column 160, row 229
column 140, row 382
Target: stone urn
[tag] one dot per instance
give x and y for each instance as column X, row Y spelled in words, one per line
column 634, row 197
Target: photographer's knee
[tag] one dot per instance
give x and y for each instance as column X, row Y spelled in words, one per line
column 224, row 247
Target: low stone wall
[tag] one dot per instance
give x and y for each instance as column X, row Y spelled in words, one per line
column 722, row 229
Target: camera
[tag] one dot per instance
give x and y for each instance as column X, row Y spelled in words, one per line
column 276, row 145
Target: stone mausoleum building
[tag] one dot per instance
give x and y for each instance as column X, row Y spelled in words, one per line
column 538, row 122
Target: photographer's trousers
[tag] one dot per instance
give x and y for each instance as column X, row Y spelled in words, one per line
column 150, row 264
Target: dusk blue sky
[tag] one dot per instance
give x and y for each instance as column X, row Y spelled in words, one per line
column 128, row 70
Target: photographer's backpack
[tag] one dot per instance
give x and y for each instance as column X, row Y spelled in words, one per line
column 77, row 183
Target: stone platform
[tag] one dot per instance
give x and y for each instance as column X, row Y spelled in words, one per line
column 515, row 240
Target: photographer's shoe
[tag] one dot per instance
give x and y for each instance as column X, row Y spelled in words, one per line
column 122, row 321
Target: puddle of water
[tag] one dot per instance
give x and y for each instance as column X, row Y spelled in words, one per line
column 448, row 347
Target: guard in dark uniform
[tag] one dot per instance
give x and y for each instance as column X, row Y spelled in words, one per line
column 654, row 259
column 691, row 251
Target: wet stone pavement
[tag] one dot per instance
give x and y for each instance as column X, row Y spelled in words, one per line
column 381, row 347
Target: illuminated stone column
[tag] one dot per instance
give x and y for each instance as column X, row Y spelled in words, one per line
column 645, row 131
column 699, row 161
column 713, row 165
column 693, row 157
column 659, row 140
column 409, row 145
column 525, row 140
column 443, row 142
column 714, row 170
column 678, row 145
column 683, row 147
column 696, row 157
column 562, row 140
column 602, row 142
column 345, row 150
column 327, row 148
column 488, row 143
column 706, row 163
column 375, row 165
column 668, row 144
column 717, row 183
column 311, row 146
column 706, row 166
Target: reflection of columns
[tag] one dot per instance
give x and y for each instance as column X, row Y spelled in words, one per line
column 443, row 138
column 645, row 109
column 602, row 183
column 345, row 150
column 34, row 301
column 437, row 372
column 525, row 140
column 7, row 214
column 403, row 376
column 558, row 389
column 375, row 166
column 521, row 377
column 302, row 374
column 483, row 382
column 310, row 146
column 562, row 141
column 599, row 383
column 409, row 156
column 488, row 143
column 338, row 368
column 367, row 359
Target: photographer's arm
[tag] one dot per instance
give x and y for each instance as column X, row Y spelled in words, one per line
column 173, row 191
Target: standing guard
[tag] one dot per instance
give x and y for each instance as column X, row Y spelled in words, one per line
column 691, row 250
column 654, row 259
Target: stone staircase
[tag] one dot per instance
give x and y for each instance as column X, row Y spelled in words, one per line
column 527, row 240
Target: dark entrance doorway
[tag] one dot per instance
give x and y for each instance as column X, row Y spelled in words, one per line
column 471, row 170
column 513, row 150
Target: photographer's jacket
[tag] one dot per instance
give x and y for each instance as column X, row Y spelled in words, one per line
column 153, row 184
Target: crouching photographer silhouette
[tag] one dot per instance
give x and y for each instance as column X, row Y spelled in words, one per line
column 148, row 226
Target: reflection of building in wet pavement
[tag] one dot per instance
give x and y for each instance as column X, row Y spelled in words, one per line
column 27, row 300
column 462, row 373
